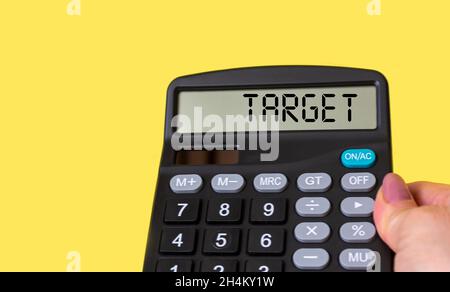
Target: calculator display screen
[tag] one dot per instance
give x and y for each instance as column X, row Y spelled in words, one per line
column 295, row 109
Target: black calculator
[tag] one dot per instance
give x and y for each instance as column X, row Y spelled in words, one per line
column 272, row 169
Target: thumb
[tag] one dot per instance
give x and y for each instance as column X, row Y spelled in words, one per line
column 393, row 201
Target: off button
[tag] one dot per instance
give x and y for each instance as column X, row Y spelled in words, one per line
column 358, row 158
column 358, row 182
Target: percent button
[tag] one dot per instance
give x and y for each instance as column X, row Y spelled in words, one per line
column 358, row 232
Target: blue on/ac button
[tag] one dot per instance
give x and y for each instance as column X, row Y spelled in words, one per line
column 358, row 158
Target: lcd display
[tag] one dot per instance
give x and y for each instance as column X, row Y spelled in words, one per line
column 295, row 109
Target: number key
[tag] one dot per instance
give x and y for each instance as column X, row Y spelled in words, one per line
column 268, row 211
column 266, row 241
column 224, row 211
column 174, row 266
column 182, row 211
column 178, row 241
column 219, row 266
column 221, row 241
column 264, row 266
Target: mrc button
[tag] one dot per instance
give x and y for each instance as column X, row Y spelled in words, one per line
column 270, row 183
column 314, row 182
column 358, row 182
column 358, row 158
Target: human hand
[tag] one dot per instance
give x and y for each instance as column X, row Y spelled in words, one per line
column 414, row 220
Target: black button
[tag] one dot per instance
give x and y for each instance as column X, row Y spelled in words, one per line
column 268, row 211
column 178, row 240
column 219, row 266
column 174, row 266
column 264, row 266
column 224, row 211
column 221, row 241
column 266, row 241
column 182, row 211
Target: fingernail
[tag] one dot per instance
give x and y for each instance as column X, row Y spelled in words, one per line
column 395, row 189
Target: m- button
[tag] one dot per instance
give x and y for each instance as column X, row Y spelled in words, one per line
column 228, row 183
column 270, row 183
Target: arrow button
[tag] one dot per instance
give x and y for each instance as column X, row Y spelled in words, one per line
column 357, row 207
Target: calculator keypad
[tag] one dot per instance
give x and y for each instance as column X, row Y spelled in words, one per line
column 267, row 240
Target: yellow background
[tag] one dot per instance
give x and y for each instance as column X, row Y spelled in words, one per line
column 82, row 103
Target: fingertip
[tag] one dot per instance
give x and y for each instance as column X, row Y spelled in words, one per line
column 392, row 200
column 395, row 190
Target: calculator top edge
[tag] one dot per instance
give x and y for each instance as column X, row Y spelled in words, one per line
column 277, row 75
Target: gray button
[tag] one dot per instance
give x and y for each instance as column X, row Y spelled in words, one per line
column 270, row 183
column 186, row 184
column 311, row 259
column 357, row 207
column 358, row 182
column 313, row 207
column 314, row 182
column 358, row 259
column 358, row 232
column 228, row 183
column 312, row 232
